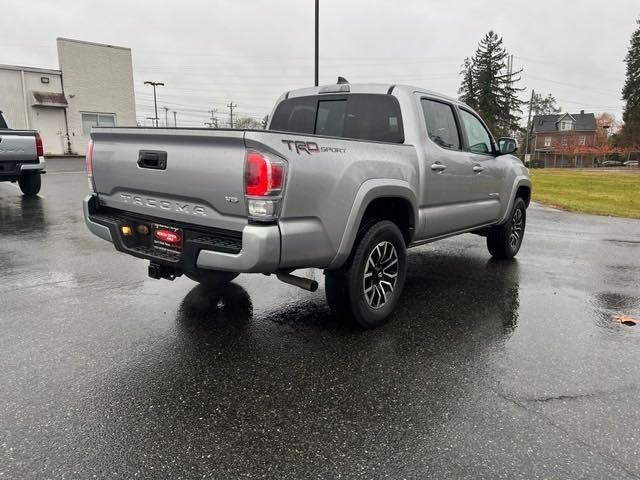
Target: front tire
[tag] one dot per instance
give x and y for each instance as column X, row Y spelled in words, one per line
column 212, row 279
column 505, row 241
column 30, row 183
column 368, row 288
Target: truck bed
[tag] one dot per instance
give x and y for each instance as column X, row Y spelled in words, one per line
column 200, row 181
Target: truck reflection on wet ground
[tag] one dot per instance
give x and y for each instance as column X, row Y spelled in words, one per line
column 487, row 368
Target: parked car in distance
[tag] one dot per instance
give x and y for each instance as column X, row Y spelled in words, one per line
column 631, row 163
column 21, row 158
column 345, row 179
column 612, row 163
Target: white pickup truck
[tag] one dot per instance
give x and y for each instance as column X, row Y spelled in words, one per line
column 345, row 179
column 21, row 158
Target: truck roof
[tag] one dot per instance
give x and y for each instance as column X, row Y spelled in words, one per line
column 379, row 88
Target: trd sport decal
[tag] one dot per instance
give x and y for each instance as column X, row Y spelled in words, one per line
column 311, row 147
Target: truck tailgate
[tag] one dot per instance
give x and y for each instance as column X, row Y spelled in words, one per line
column 17, row 146
column 200, row 181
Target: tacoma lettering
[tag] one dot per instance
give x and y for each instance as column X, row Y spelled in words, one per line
column 164, row 204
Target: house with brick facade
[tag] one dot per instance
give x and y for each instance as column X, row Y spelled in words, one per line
column 559, row 134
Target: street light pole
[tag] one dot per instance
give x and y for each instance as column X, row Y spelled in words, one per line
column 155, row 101
column 317, row 40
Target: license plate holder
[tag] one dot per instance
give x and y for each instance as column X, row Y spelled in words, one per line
column 166, row 238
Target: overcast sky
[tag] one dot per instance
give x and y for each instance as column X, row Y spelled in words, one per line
column 211, row 52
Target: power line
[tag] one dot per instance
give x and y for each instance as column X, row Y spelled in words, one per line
column 581, row 87
column 585, row 104
column 590, row 68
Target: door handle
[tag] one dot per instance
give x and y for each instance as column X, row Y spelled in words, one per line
column 478, row 168
column 438, row 167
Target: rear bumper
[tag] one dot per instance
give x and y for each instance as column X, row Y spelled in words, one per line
column 259, row 251
column 11, row 170
column 34, row 166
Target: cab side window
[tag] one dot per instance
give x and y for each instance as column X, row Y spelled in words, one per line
column 441, row 124
column 477, row 136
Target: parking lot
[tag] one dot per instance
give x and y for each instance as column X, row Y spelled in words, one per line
column 487, row 369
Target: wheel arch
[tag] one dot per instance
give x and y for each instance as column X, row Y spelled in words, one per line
column 521, row 188
column 379, row 199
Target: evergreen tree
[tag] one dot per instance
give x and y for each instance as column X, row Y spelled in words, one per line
column 467, row 90
column 631, row 92
column 493, row 92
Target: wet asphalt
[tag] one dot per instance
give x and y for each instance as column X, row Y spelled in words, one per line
column 487, row 370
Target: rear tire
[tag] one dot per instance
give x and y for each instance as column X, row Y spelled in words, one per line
column 30, row 183
column 505, row 241
column 368, row 288
column 211, row 278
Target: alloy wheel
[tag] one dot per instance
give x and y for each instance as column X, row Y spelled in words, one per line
column 380, row 274
column 517, row 228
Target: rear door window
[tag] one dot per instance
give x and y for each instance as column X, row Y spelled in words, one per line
column 373, row 117
column 441, row 124
column 297, row 115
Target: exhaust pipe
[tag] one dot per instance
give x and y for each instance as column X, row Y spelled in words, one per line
column 303, row 283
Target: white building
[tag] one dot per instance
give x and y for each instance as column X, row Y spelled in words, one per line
column 32, row 98
column 94, row 87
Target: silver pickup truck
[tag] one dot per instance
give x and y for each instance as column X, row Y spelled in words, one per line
column 21, row 158
column 345, row 179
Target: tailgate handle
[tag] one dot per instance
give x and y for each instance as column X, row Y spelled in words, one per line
column 154, row 159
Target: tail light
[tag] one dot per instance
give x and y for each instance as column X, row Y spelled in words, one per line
column 39, row 147
column 264, row 177
column 89, row 159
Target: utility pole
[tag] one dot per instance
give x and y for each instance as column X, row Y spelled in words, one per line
column 510, row 82
column 175, row 121
column 155, row 100
column 153, row 119
column 166, row 116
column 317, row 40
column 231, row 106
column 526, row 138
column 214, row 121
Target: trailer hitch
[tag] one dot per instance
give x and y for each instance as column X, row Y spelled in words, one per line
column 158, row 271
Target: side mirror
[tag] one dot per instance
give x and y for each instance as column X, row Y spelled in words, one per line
column 507, row 145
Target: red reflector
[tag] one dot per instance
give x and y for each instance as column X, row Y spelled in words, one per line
column 39, row 147
column 277, row 174
column 167, row 236
column 262, row 176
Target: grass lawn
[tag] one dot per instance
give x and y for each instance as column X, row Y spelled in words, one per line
column 600, row 192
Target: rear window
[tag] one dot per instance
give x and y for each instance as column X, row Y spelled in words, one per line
column 359, row 116
column 3, row 124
